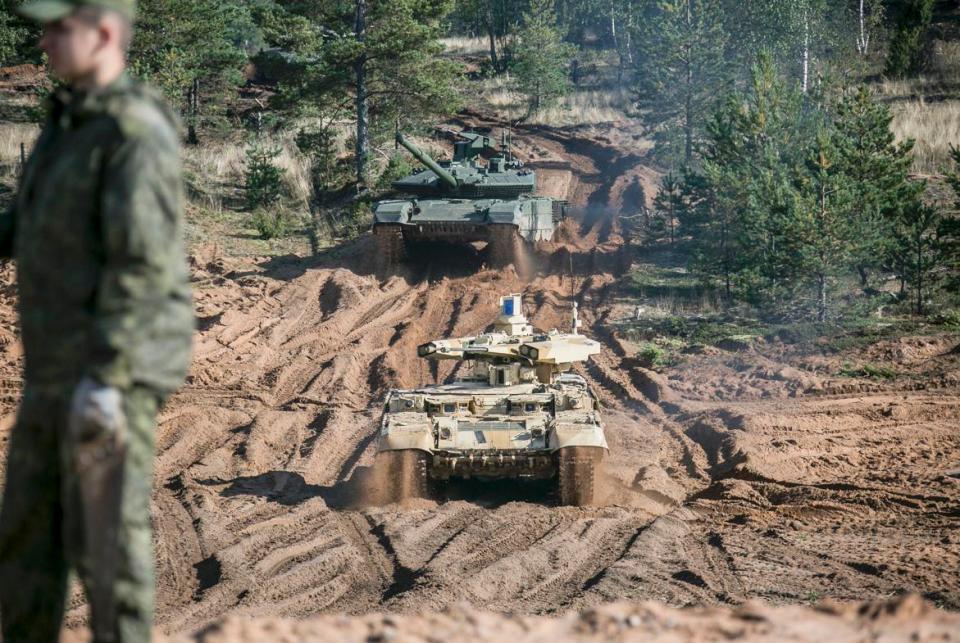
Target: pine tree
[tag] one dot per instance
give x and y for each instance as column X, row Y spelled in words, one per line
column 822, row 229
column 906, row 47
column 496, row 20
column 542, row 58
column 14, row 35
column 950, row 233
column 757, row 142
column 668, row 205
column 380, row 60
column 922, row 250
column 190, row 49
column 878, row 166
column 682, row 67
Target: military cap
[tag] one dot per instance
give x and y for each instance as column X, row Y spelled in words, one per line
column 52, row 10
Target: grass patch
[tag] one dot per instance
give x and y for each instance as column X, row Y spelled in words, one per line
column 934, row 126
column 582, row 106
column 872, row 371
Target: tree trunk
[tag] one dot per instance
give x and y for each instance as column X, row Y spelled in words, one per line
column 688, row 108
column 863, row 41
column 492, row 35
column 621, row 62
column 362, row 106
column 919, row 269
column 821, row 297
column 193, row 108
column 806, row 51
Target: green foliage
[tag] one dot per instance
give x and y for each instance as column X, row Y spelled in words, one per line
column 872, row 371
column 651, row 356
column 949, row 318
column 264, row 178
column 269, row 225
column 682, row 67
column 194, row 51
column 744, row 204
column 496, row 20
column 319, row 145
column 909, row 40
column 668, row 204
column 950, row 232
column 397, row 167
column 356, row 220
column 15, row 35
column 920, row 251
column 796, row 192
column 804, row 37
column 878, row 169
column 389, row 71
column 542, row 58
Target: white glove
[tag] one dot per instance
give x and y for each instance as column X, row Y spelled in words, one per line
column 96, row 412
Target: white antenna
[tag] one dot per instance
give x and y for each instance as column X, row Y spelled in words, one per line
column 576, row 320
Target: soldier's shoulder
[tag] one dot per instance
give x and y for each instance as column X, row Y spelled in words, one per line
column 141, row 113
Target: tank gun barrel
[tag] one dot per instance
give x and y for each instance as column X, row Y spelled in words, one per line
column 424, row 158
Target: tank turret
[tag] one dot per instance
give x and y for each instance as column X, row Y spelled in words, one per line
column 513, row 344
column 465, row 176
column 484, row 194
column 424, row 158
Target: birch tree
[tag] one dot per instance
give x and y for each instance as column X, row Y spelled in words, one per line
column 870, row 17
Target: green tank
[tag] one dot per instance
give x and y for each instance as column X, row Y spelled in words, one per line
column 483, row 194
column 515, row 411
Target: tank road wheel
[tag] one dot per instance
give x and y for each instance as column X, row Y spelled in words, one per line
column 389, row 247
column 402, row 475
column 577, row 472
column 503, row 245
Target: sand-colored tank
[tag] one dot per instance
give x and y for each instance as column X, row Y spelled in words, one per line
column 516, row 412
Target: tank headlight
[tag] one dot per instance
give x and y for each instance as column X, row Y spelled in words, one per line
column 445, row 433
column 426, row 349
column 530, row 351
column 408, row 404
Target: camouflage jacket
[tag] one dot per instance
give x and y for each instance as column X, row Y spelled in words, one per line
column 96, row 231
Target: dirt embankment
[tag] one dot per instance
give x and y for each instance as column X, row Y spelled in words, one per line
column 906, row 619
column 741, row 476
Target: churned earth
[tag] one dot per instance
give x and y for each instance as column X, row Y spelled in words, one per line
column 742, row 475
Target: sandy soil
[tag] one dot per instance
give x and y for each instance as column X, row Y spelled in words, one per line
column 740, row 475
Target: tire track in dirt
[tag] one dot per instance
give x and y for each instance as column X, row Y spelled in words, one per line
column 259, row 505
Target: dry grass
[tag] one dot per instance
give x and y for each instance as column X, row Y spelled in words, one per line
column 218, row 169
column 465, row 45
column 589, row 106
column 925, row 108
column 586, row 107
column 934, row 127
column 11, row 136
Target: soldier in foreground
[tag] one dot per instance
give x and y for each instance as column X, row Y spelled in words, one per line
column 106, row 319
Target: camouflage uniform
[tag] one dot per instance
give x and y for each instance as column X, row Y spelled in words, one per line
column 96, row 233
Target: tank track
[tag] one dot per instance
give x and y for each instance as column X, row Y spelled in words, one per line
column 389, row 247
column 503, row 245
column 404, row 475
column 577, row 469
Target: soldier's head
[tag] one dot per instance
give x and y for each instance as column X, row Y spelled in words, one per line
column 86, row 41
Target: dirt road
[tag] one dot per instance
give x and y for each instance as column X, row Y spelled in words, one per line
column 744, row 475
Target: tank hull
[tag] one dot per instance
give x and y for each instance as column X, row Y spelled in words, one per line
column 492, row 432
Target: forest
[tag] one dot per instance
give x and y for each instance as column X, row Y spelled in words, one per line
column 793, row 171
